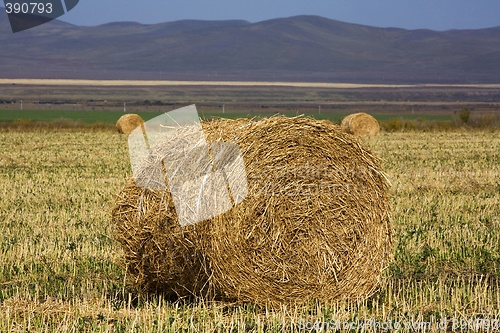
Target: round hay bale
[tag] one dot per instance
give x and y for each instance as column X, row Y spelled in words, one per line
column 128, row 122
column 360, row 124
column 314, row 225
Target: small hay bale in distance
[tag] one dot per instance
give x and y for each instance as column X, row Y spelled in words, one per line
column 128, row 122
column 360, row 124
column 314, row 225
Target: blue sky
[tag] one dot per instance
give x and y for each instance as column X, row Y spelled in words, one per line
column 409, row 14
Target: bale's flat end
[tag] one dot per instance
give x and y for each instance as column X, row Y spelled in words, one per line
column 360, row 124
column 128, row 122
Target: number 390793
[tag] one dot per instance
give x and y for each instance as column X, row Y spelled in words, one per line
column 28, row 8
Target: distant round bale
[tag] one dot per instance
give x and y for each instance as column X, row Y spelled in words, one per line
column 128, row 122
column 360, row 124
column 314, row 225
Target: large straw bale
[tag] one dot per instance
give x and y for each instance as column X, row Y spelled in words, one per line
column 314, row 225
column 128, row 122
column 360, row 124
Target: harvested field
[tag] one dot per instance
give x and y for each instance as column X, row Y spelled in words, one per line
column 61, row 270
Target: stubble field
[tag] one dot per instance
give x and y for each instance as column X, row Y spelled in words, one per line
column 61, row 270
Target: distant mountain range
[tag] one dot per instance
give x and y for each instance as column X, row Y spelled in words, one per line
column 300, row 48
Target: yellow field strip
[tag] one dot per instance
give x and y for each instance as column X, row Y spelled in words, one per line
column 68, row 82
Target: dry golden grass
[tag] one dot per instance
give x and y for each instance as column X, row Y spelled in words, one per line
column 138, row 83
column 60, row 270
column 315, row 223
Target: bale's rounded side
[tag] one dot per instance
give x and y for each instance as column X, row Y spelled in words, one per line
column 128, row 122
column 360, row 124
column 315, row 223
column 158, row 253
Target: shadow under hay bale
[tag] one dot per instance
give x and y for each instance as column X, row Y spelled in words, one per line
column 128, row 122
column 314, row 225
column 360, row 124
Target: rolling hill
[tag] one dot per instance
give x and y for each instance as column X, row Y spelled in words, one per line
column 301, row 48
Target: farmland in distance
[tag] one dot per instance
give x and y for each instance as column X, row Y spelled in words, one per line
column 20, row 98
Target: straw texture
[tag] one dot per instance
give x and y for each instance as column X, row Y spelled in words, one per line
column 128, row 122
column 314, row 225
column 360, row 124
